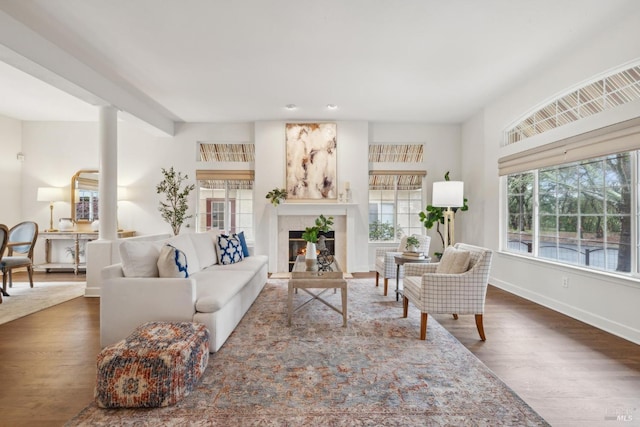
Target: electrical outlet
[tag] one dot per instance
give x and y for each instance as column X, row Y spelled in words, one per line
column 565, row 282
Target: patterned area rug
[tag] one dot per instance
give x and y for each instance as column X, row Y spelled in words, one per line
column 25, row 300
column 374, row 372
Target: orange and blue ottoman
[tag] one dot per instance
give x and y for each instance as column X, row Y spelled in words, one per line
column 157, row 365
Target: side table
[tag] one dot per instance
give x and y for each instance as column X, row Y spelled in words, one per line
column 401, row 260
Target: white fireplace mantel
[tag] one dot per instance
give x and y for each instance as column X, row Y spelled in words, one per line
column 312, row 209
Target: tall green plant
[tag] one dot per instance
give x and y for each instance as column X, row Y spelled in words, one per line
column 435, row 215
column 323, row 224
column 174, row 210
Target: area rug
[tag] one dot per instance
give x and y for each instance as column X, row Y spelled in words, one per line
column 25, row 300
column 374, row 372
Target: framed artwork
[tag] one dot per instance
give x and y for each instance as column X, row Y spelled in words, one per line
column 311, row 161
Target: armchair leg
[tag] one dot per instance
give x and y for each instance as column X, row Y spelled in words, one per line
column 405, row 306
column 455, row 316
column 377, row 277
column 423, row 326
column 30, row 271
column 386, row 286
column 480, row 326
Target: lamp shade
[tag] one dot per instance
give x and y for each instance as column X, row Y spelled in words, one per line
column 448, row 194
column 50, row 194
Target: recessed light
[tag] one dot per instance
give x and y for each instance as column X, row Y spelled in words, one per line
column 332, row 106
column 290, row 106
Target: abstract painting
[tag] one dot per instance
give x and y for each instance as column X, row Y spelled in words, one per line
column 311, row 160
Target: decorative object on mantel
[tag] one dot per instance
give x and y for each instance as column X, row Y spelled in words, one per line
column 436, row 213
column 175, row 210
column 276, row 196
column 311, row 234
column 311, row 161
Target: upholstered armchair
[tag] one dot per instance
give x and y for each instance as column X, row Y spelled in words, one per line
column 385, row 263
column 455, row 285
column 21, row 243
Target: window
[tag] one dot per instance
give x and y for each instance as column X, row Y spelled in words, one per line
column 583, row 212
column 394, row 203
column 225, row 204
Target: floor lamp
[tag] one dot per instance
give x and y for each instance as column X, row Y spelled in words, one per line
column 51, row 195
column 448, row 194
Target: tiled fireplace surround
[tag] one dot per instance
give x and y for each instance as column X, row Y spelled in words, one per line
column 297, row 216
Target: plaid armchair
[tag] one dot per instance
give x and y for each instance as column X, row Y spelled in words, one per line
column 455, row 294
column 386, row 265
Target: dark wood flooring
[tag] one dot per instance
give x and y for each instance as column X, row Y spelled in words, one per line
column 571, row 373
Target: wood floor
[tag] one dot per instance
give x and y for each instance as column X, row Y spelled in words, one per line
column 570, row 373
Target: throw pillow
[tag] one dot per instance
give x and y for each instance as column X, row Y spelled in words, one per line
column 454, row 261
column 229, row 250
column 205, row 247
column 139, row 259
column 243, row 243
column 172, row 262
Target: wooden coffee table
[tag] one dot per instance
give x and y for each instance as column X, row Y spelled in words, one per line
column 325, row 280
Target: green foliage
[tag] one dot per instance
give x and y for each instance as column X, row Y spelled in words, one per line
column 322, row 224
column 412, row 241
column 380, row 231
column 276, row 196
column 174, row 210
column 435, row 215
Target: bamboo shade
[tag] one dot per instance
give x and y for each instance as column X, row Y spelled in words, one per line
column 217, row 152
column 391, row 153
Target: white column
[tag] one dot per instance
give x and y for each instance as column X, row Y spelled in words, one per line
column 108, row 184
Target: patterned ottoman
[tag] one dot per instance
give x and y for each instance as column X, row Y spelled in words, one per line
column 157, row 365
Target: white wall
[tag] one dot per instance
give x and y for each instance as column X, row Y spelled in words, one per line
column 606, row 301
column 11, row 171
column 442, row 144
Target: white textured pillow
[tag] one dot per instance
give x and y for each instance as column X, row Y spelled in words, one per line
column 229, row 250
column 172, row 262
column 139, row 259
column 454, row 261
column 205, row 246
column 185, row 244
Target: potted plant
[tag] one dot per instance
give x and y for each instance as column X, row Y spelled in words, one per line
column 311, row 234
column 435, row 216
column 412, row 244
column 174, row 210
column 276, row 196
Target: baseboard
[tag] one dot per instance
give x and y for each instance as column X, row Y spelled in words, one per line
column 594, row 320
column 93, row 292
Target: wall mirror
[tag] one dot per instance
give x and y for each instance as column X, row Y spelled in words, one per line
column 84, row 196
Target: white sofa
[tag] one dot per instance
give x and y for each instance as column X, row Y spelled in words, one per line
column 216, row 295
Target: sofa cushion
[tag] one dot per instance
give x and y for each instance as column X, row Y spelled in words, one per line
column 139, row 258
column 185, row 244
column 216, row 286
column 252, row 263
column 454, row 261
column 172, row 262
column 229, row 249
column 205, row 246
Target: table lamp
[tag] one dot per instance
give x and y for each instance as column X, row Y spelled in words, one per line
column 448, row 194
column 51, row 195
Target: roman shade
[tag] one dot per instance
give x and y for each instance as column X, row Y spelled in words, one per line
column 617, row 138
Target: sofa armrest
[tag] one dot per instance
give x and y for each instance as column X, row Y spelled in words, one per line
column 127, row 302
column 418, row 269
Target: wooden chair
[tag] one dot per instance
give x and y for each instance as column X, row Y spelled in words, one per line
column 20, row 246
column 4, row 236
column 441, row 293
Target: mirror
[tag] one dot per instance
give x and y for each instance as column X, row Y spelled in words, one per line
column 84, row 196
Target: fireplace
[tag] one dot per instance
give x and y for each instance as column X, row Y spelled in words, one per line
column 296, row 216
column 298, row 246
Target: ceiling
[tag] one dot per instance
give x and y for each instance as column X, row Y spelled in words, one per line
column 244, row 60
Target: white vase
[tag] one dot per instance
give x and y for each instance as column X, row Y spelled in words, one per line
column 310, row 256
column 65, row 224
column 95, row 225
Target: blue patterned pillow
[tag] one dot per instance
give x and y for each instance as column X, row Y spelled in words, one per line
column 229, row 249
column 172, row 262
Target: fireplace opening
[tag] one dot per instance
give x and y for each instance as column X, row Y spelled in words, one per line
column 298, row 246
